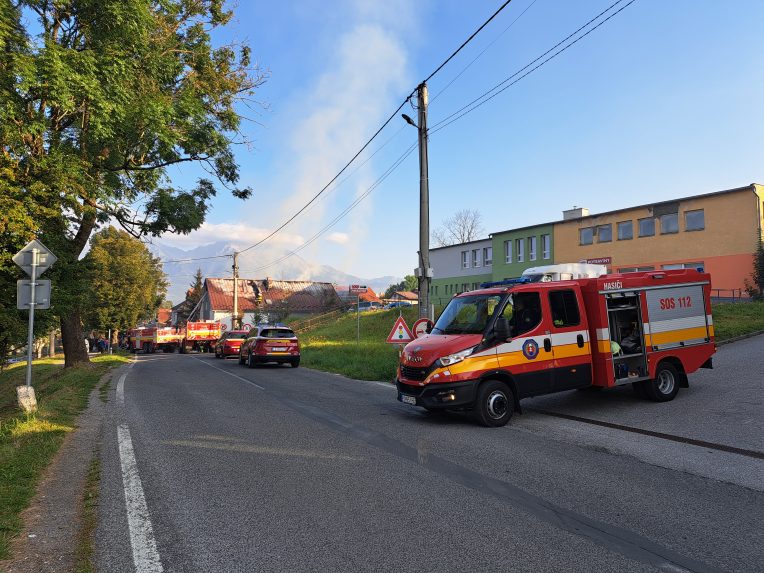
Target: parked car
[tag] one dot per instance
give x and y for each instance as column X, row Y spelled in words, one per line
column 229, row 343
column 268, row 343
column 397, row 304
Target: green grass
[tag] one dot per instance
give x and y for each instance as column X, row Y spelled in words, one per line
column 737, row 319
column 333, row 348
column 29, row 442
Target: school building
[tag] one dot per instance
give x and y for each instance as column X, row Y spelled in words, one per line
column 717, row 232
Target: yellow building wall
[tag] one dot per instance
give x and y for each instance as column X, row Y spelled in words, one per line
column 732, row 223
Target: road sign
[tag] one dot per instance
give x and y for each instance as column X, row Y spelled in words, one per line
column 400, row 334
column 41, row 294
column 358, row 289
column 421, row 326
column 45, row 258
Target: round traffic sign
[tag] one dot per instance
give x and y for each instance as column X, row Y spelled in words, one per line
column 421, row 327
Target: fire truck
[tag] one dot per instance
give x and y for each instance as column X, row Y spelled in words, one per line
column 151, row 338
column 201, row 336
column 494, row 346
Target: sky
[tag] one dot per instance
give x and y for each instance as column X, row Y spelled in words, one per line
column 662, row 101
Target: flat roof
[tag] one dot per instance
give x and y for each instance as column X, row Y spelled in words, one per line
column 750, row 187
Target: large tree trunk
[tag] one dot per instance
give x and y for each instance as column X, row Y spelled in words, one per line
column 73, row 340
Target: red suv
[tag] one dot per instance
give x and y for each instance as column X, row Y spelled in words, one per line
column 229, row 343
column 270, row 344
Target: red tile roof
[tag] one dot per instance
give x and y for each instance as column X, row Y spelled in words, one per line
column 301, row 296
column 406, row 295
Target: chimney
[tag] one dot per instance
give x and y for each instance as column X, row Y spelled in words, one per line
column 575, row 213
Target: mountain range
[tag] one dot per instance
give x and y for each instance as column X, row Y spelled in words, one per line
column 251, row 263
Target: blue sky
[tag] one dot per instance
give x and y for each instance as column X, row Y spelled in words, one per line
column 662, row 101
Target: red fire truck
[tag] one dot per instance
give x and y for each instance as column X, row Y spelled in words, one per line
column 494, row 346
column 151, row 338
column 201, row 336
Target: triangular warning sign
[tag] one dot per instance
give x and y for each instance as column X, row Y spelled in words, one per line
column 400, row 334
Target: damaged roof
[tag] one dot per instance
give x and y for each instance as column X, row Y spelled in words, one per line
column 306, row 296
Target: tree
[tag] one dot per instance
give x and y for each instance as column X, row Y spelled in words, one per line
column 755, row 288
column 100, row 98
column 409, row 283
column 127, row 282
column 462, row 227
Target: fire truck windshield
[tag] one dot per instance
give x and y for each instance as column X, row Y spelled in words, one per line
column 467, row 314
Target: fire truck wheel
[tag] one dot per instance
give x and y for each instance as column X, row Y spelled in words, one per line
column 495, row 404
column 665, row 385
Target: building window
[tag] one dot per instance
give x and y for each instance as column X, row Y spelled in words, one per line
column 546, row 250
column 508, row 251
column 520, row 250
column 647, row 227
column 694, row 220
column 586, row 236
column 532, row 248
column 488, row 256
column 475, row 257
column 625, row 230
column 605, row 233
column 465, row 260
column 635, row 269
column 669, row 223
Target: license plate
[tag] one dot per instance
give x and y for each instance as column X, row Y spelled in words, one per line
column 408, row 399
column 275, row 349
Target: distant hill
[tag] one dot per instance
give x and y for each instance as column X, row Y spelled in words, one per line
column 181, row 274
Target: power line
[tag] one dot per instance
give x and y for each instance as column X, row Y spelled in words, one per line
column 387, row 121
column 190, row 260
column 492, row 93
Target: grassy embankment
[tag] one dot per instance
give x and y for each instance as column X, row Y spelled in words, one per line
column 737, row 319
column 28, row 443
column 333, row 348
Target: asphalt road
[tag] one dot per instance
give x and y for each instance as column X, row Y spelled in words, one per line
column 275, row 469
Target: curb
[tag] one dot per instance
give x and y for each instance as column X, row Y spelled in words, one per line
column 741, row 337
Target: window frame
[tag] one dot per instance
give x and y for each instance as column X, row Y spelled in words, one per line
column 546, row 246
column 465, row 260
column 532, row 248
column 476, row 259
column 508, row 251
column 581, row 236
column 662, row 217
column 639, row 227
column 577, row 308
column 609, row 227
column 487, row 256
column 693, row 211
column 520, row 250
column 618, row 225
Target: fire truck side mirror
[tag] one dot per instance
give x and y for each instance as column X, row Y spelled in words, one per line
column 501, row 329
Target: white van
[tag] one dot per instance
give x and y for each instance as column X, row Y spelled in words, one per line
column 564, row 272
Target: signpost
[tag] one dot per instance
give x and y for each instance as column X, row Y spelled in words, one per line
column 358, row 290
column 34, row 259
column 400, row 334
column 422, row 326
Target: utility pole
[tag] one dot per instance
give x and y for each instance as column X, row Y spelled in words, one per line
column 425, row 273
column 235, row 317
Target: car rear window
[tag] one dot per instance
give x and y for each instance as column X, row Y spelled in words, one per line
column 277, row 333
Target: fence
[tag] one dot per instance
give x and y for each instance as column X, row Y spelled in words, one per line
column 729, row 295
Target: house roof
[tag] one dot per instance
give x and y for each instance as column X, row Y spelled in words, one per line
column 343, row 291
column 304, row 296
column 406, row 295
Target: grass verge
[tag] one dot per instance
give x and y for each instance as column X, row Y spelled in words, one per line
column 86, row 543
column 737, row 319
column 333, row 348
column 29, row 442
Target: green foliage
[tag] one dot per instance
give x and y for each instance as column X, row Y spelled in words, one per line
column 409, row 283
column 100, row 98
column 755, row 287
column 127, row 282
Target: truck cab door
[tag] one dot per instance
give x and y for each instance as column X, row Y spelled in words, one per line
column 528, row 355
column 572, row 366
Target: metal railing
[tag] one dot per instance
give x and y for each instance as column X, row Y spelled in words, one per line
column 729, row 295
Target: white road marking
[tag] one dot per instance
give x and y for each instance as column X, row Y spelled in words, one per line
column 145, row 554
column 121, row 386
column 229, row 373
